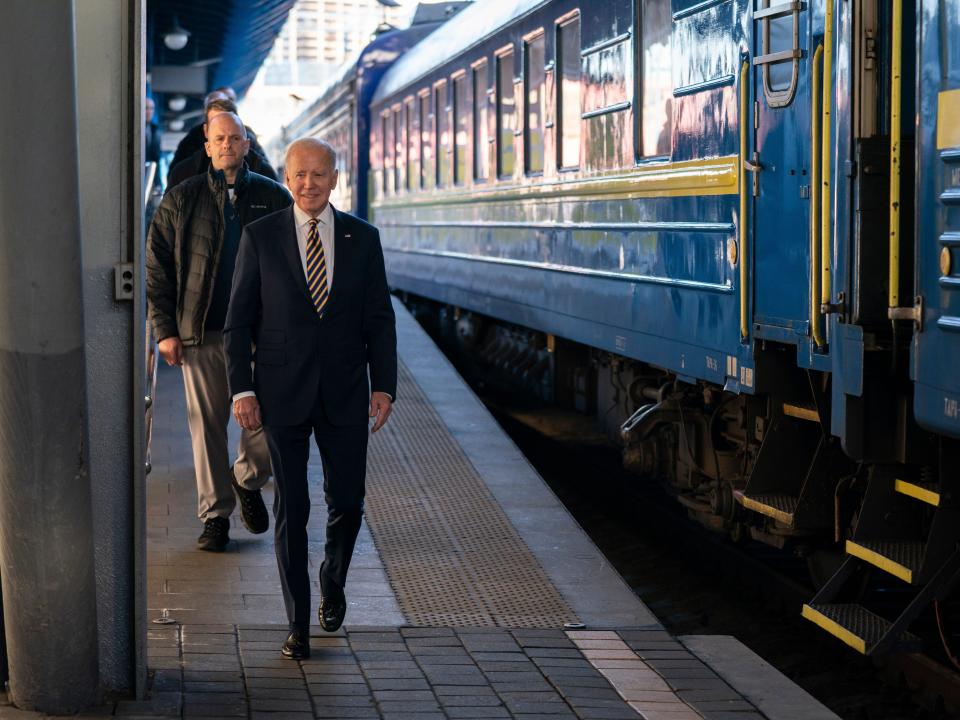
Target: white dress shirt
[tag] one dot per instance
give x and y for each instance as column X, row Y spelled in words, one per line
column 325, row 228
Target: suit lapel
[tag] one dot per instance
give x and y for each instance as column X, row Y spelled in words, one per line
column 291, row 251
column 341, row 250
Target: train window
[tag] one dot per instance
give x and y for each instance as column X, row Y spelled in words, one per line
column 426, row 142
column 534, row 77
column 397, row 150
column 481, row 141
column 656, row 90
column 506, row 115
column 568, row 92
column 442, row 114
column 780, row 49
column 412, row 131
column 460, row 129
column 387, row 135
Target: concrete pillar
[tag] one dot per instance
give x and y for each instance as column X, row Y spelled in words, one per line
column 46, row 540
column 110, row 84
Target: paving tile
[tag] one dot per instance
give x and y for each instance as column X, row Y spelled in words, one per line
column 338, row 689
column 212, row 686
column 279, row 704
column 593, row 635
column 478, row 701
column 728, row 705
column 345, row 713
column 398, row 684
column 476, row 713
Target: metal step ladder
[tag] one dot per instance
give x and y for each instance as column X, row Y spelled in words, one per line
column 796, row 471
column 885, row 539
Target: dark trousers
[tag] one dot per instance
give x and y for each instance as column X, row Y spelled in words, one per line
column 343, row 452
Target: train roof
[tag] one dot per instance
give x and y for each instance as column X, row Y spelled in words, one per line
column 464, row 30
column 382, row 50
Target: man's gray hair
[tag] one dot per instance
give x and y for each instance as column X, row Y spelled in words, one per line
column 311, row 143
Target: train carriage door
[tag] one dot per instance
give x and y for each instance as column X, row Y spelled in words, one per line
column 937, row 349
column 780, row 168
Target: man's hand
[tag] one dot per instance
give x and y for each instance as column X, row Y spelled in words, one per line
column 247, row 412
column 171, row 350
column 380, row 407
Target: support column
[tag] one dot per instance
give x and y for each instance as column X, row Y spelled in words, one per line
column 46, row 541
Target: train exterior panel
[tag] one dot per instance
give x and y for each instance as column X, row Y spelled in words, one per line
column 589, row 236
column 936, row 356
column 716, row 226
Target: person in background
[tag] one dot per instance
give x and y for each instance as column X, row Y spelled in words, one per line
column 199, row 161
column 151, row 133
column 310, row 291
column 191, row 252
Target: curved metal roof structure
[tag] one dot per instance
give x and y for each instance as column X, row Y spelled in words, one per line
column 460, row 33
column 230, row 37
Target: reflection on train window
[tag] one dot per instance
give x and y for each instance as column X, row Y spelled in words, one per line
column 950, row 18
column 412, row 131
column 481, row 142
column 426, row 142
column 460, row 129
column 387, row 135
column 442, row 115
column 568, row 96
column 506, row 115
column 397, row 150
column 533, row 75
column 779, row 49
column 656, row 109
column 781, row 38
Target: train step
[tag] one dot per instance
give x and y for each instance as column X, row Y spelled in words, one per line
column 902, row 559
column 781, row 508
column 798, row 494
column 802, row 411
column 857, row 627
column 925, row 492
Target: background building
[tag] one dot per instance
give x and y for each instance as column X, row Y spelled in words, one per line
column 318, row 37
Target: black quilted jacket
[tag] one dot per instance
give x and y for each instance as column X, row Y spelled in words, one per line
column 184, row 242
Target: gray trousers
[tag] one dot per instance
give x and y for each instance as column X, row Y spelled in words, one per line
column 208, row 413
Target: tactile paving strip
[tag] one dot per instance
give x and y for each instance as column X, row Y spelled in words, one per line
column 451, row 554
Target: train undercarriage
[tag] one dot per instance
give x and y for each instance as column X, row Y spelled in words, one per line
column 879, row 536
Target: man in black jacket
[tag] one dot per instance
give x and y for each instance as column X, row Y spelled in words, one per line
column 191, row 253
column 191, row 157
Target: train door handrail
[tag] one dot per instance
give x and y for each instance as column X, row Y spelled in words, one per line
column 825, row 166
column 896, row 51
column 743, row 257
column 815, row 201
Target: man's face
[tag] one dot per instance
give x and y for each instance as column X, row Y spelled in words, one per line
column 226, row 145
column 311, row 178
column 148, row 109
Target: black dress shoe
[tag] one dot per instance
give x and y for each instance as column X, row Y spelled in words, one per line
column 215, row 535
column 331, row 612
column 253, row 513
column 297, row 645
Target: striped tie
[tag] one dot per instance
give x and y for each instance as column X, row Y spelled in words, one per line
column 316, row 269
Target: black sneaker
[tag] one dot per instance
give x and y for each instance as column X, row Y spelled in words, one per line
column 215, row 536
column 253, row 513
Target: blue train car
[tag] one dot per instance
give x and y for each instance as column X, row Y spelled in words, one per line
column 341, row 114
column 715, row 225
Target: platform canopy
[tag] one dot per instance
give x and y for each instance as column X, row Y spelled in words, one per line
column 228, row 42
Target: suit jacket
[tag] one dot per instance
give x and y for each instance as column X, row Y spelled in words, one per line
column 298, row 354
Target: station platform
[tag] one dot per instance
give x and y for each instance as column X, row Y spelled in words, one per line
column 473, row 593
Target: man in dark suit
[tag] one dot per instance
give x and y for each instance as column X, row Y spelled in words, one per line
column 310, row 292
